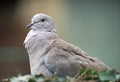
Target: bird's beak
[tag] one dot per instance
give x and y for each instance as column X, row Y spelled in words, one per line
column 29, row 25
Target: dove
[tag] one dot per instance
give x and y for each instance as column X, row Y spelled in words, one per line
column 49, row 55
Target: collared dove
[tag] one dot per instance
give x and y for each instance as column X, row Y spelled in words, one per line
column 49, row 55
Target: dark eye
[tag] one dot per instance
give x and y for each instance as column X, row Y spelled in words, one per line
column 43, row 20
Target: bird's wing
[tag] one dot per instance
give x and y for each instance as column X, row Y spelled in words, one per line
column 66, row 59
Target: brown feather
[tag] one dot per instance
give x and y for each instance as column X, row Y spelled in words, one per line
column 66, row 59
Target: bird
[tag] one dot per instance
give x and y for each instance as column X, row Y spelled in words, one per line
column 50, row 55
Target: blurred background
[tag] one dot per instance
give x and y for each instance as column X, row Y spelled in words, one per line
column 93, row 25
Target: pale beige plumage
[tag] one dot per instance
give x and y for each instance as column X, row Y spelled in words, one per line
column 50, row 55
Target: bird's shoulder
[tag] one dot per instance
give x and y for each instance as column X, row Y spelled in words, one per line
column 68, row 47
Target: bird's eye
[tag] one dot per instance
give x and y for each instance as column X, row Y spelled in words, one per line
column 43, row 20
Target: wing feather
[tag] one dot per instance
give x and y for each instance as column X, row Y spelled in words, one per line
column 66, row 59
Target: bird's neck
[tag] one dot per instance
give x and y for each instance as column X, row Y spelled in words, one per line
column 38, row 36
column 43, row 35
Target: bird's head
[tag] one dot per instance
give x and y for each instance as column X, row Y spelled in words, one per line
column 42, row 22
